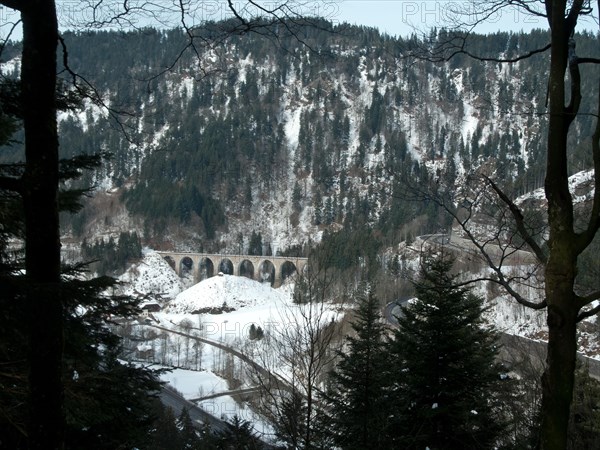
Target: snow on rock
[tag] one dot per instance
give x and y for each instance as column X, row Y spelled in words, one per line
column 234, row 292
column 152, row 275
column 580, row 186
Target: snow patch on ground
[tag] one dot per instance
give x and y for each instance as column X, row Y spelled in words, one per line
column 235, row 292
column 195, row 384
column 12, row 66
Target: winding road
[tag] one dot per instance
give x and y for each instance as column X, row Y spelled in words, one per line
column 394, row 309
column 270, row 378
column 199, row 416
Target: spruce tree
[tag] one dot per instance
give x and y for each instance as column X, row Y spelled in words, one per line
column 358, row 395
column 584, row 423
column 240, row 436
column 446, row 376
column 94, row 387
column 252, row 332
column 255, row 246
column 290, row 421
column 165, row 435
column 107, row 401
column 188, row 434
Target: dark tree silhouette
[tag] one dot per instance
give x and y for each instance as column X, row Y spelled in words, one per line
column 358, row 393
column 446, row 379
column 38, row 184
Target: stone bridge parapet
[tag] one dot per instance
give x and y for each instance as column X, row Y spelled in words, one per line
column 274, row 269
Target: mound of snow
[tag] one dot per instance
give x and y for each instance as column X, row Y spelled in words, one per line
column 152, row 275
column 235, row 292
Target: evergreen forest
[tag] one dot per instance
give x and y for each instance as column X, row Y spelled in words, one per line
column 319, row 134
column 337, row 144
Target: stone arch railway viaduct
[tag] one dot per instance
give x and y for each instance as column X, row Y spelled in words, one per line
column 273, row 269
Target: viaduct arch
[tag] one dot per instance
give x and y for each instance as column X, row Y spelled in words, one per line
column 260, row 268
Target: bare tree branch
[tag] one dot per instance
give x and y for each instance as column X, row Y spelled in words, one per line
column 588, row 60
column 482, row 244
column 526, row 5
column 498, row 60
column 456, row 45
column 578, row 8
column 533, row 305
column 519, row 220
column 123, row 14
column 14, row 4
column 466, row 22
column 270, row 23
column 587, row 299
column 10, row 32
column 95, row 96
column 585, row 238
column 590, row 312
column 497, row 269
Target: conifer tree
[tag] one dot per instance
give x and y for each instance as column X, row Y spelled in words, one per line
column 166, row 435
column 358, row 395
column 252, row 332
column 290, row 423
column 240, row 436
column 255, row 246
column 188, row 435
column 120, row 415
column 584, row 424
column 89, row 352
column 446, row 375
column 259, row 333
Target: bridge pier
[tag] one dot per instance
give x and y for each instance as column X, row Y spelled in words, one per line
column 275, row 268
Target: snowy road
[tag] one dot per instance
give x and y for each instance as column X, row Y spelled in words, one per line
column 267, row 378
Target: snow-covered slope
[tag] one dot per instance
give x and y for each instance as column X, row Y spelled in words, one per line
column 151, row 276
column 580, row 184
column 293, row 144
column 231, row 291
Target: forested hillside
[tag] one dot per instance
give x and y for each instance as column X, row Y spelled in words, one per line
column 297, row 137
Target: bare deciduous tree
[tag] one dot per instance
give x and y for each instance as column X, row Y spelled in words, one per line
column 565, row 304
column 299, row 349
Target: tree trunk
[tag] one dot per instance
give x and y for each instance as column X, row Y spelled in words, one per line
column 40, row 198
column 561, row 268
column 558, row 378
